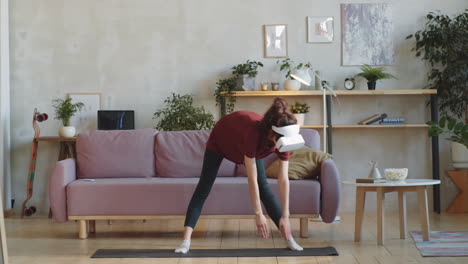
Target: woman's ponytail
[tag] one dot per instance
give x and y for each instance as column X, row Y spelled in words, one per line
column 277, row 115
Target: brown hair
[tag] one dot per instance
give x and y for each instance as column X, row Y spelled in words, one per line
column 277, row 115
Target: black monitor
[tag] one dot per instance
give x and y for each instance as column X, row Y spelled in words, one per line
column 116, row 119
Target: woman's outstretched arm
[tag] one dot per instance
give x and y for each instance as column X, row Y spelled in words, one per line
column 260, row 219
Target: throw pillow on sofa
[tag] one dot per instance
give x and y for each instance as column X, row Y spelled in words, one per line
column 303, row 163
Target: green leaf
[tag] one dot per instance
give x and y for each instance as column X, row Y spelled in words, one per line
column 442, row 122
column 451, row 124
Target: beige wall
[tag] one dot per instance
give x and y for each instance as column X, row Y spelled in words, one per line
column 136, row 52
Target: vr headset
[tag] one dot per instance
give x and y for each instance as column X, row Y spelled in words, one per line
column 290, row 140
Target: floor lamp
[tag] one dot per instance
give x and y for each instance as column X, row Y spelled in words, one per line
column 304, row 77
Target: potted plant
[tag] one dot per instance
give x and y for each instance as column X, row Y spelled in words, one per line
column 443, row 43
column 246, row 73
column 458, row 134
column 64, row 111
column 288, row 65
column 373, row 74
column 180, row 114
column 299, row 110
column 224, row 95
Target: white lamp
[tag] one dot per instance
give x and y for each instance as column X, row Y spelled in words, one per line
column 304, row 77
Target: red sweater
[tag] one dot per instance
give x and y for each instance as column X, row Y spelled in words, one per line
column 238, row 134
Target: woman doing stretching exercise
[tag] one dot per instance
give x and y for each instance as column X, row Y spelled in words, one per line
column 247, row 137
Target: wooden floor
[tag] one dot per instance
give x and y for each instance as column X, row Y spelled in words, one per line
column 39, row 240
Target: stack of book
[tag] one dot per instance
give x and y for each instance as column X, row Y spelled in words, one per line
column 370, row 180
column 392, row 121
column 382, row 119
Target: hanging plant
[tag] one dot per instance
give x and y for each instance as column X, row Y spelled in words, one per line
column 224, row 95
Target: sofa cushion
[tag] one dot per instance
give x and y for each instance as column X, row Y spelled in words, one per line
column 164, row 196
column 179, row 154
column 116, row 154
column 311, row 139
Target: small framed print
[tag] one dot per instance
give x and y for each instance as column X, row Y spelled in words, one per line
column 276, row 41
column 86, row 119
column 319, row 29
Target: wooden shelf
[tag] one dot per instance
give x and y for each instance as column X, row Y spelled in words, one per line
column 371, row 126
column 338, row 92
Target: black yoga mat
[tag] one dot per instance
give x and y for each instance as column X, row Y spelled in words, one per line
column 213, row 253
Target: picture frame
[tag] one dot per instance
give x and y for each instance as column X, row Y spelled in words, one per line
column 320, row 29
column 275, row 40
column 86, row 119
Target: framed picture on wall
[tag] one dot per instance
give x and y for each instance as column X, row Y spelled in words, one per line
column 319, row 29
column 86, row 119
column 276, row 41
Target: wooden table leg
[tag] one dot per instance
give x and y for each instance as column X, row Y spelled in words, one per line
column 380, row 215
column 423, row 212
column 360, row 204
column 402, row 207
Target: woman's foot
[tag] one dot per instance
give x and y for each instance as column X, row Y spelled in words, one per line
column 292, row 245
column 184, row 247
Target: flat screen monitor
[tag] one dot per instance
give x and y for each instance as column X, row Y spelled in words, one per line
column 116, row 119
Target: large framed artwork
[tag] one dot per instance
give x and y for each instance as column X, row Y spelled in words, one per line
column 86, row 119
column 367, row 34
column 276, row 41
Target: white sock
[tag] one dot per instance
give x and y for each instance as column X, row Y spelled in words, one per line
column 292, row 245
column 184, row 247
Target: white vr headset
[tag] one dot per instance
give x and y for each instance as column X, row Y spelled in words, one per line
column 291, row 139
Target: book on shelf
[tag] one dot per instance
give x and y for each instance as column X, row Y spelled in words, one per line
column 363, row 122
column 377, row 119
column 390, row 123
column 394, row 119
column 370, row 180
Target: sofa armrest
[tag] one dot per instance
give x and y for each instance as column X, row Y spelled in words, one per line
column 62, row 174
column 330, row 191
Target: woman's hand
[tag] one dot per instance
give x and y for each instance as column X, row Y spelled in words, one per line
column 262, row 225
column 285, row 227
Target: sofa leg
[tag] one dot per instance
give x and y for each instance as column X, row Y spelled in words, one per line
column 304, row 228
column 82, row 233
column 92, row 226
column 109, row 222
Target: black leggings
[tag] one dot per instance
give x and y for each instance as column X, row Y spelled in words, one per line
column 211, row 163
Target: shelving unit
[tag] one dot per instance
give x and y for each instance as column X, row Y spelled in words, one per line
column 394, row 92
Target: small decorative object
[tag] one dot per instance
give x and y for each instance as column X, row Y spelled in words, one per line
column 324, row 84
column 64, row 110
column 86, row 118
column 180, row 114
column 264, row 86
column 349, row 83
column 246, row 73
column 396, row 174
column 374, row 172
column 274, row 86
column 458, row 132
column 291, row 84
column 276, row 41
column 224, row 95
column 372, row 75
column 367, row 34
column 299, row 110
column 319, row 29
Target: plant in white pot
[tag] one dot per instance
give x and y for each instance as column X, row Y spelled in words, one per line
column 246, row 74
column 287, row 65
column 299, row 110
column 64, row 111
column 458, row 135
column 442, row 43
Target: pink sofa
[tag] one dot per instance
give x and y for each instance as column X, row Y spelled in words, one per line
column 146, row 174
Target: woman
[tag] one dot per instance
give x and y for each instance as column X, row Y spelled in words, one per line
column 247, row 137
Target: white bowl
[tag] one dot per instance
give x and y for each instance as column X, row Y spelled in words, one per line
column 396, row 174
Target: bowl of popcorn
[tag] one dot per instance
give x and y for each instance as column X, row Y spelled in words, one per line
column 396, row 174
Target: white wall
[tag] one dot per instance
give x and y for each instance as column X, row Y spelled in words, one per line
column 136, row 52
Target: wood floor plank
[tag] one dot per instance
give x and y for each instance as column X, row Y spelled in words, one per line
column 40, row 240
